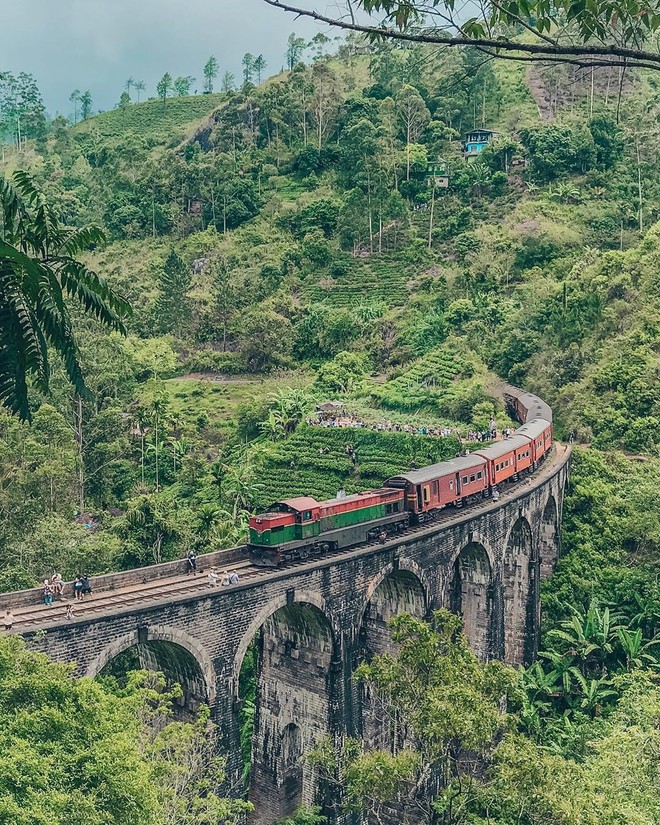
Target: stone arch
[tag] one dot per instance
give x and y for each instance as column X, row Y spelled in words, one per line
column 295, row 684
column 520, row 591
column 170, row 650
column 471, row 595
column 300, row 596
column 403, row 565
column 549, row 538
column 396, row 590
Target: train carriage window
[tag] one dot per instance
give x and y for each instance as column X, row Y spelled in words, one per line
column 480, row 474
column 435, row 489
column 472, row 477
column 427, row 494
column 465, row 479
column 497, row 467
column 451, row 485
column 307, row 515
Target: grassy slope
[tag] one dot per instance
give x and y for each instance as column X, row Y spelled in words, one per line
column 153, row 118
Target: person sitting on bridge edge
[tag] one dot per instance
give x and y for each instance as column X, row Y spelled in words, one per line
column 225, row 578
column 233, row 577
column 192, row 562
column 212, row 577
column 8, row 619
column 58, row 585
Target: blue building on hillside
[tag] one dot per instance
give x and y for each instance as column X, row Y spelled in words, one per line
column 477, row 140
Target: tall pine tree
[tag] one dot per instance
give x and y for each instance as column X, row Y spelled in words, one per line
column 172, row 308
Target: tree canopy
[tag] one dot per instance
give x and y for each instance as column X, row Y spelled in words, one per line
column 616, row 32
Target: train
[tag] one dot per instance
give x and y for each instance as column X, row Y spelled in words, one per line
column 301, row 527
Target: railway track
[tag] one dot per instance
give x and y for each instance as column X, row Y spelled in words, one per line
column 142, row 593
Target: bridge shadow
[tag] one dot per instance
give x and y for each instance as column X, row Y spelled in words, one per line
column 292, row 656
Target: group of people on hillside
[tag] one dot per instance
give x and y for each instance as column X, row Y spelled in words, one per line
column 227, row 578
column 351, row 421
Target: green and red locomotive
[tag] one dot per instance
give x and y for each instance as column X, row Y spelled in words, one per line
column 300, row 527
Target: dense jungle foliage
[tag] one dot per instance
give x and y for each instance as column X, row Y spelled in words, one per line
column 285, row 245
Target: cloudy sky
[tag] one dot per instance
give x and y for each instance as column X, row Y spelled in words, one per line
column 97, row 44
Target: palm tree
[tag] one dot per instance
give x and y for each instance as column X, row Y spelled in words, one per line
column 38, row 271
column 129, row 85
column 139, row 86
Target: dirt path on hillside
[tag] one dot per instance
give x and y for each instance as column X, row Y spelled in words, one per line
column 540, row 94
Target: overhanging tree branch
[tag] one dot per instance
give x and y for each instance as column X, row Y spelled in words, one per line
column 582, row 55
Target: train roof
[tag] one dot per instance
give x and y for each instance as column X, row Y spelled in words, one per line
column 444, row 468
column 534, row 428
column 504, row 447
column 534, row 406
column 299, row 504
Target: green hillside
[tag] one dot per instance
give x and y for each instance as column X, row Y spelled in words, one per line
column 159, row 121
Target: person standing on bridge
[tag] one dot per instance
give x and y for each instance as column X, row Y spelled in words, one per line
column 48, row 593
column 86, row 589
column 8, row 620
column 77, row 588
column 192, row 562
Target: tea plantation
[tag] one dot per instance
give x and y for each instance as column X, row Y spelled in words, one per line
column 383, row 279
column 319, row 462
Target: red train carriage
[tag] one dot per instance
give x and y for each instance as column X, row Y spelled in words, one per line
column 298, row 527
column 438, row 485
column 506, row 458
column 539, row 432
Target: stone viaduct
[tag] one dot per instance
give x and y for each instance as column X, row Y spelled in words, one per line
column 315, row 622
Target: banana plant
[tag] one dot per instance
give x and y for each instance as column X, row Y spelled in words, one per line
column 636, row 650
column 590, row 636
column 593, row 692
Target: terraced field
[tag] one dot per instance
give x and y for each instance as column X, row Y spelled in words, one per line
column 316, row 462
column 424, row 382
column 380, row 278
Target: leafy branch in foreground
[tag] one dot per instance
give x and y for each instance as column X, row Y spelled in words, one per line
column 567, row 31
column 38, row 273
